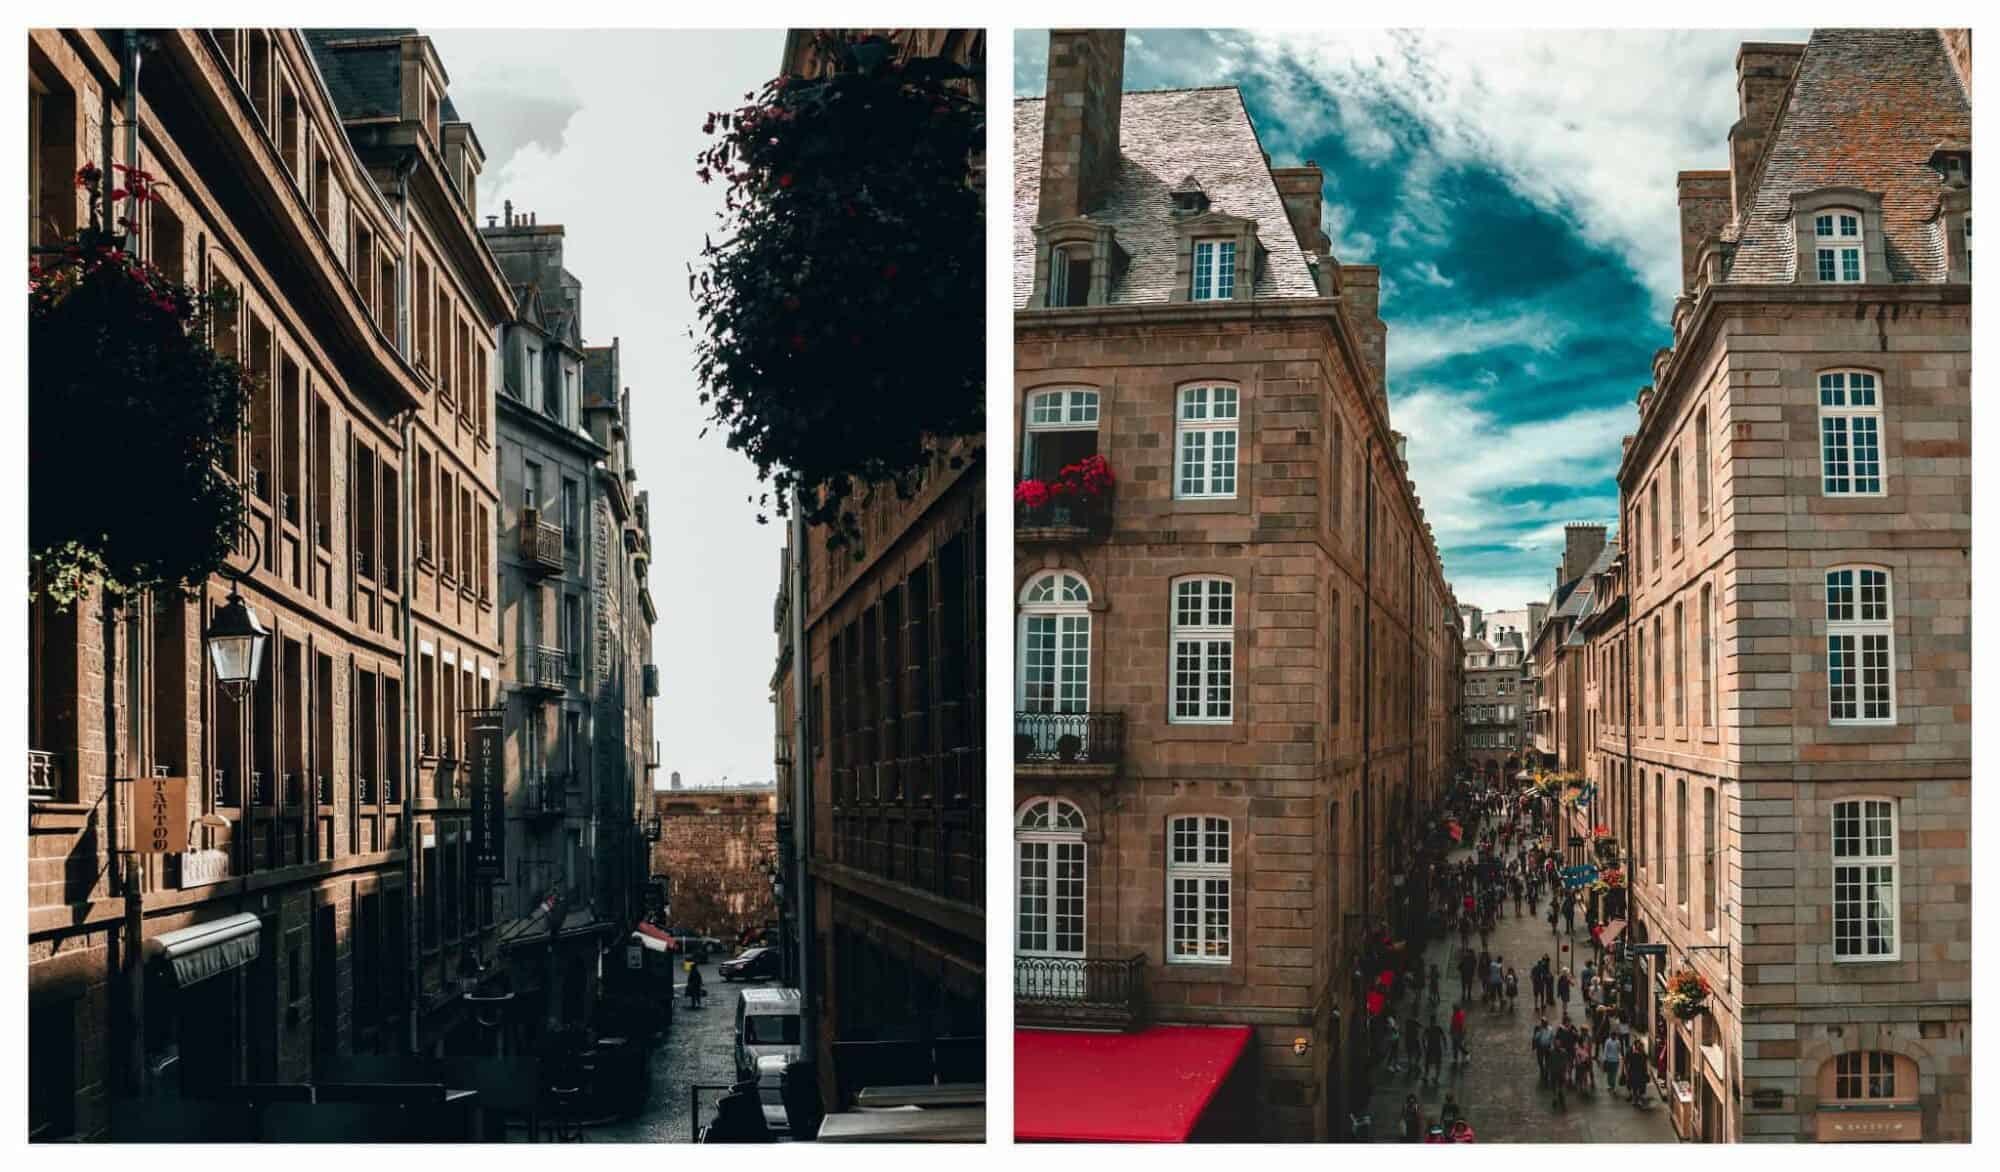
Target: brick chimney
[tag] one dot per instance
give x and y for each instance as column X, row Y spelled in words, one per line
column 1301, row 188
column 1705, row 209
column 1581, row 545
column 1763, row 70
column 1080, row 120
column 1361, row 296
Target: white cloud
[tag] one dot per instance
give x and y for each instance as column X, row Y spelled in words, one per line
column 1591, row 124
column 1428, row 273
column 1414, row 345
column 1462, row 458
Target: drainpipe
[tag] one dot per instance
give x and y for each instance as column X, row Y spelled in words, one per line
column 129, row 83
column 1368, row 682
column 412, row 939
column 406, row 574
column 802, row 755
column 135, row 897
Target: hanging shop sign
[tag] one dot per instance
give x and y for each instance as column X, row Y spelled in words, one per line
column 160, row 815
column 484, row 729
column 203, row 868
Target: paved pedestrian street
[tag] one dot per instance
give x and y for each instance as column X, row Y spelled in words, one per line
column 699, row 1048
column 1498, row 1091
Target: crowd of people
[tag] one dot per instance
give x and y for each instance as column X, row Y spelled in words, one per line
column 1508, row 871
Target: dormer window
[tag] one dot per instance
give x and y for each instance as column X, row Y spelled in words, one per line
column 1189, row 198
column 1837, row 246
column 1214, row 271
column 1069, row 276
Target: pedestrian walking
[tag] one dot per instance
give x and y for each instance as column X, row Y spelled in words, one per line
column 1392, row 1044
column 1460, row 1052
column 1562, row 991
column 1413, row 1047
column 1612, row 1052
column 1494, row 975
column 1635, row 1074
column 1467, row 966
column 1433, row 1051
column 1413, row 1120
column 1540, row 1040
column 1513, row 988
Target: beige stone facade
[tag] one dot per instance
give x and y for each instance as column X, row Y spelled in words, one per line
column 1302, row 706
column 314, row 808
column 1787, row 736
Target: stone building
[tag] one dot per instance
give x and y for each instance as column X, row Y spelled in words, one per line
column 564, row 556
column 1557, row 651
column 1495, row 707
column 1237, row 672
column 1797, row 503
column 390, row 90
column 894, row 836
column 326, row 863
column 718, row 848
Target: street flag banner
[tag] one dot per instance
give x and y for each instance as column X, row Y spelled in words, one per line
column 1581, row 875
column 489, row 793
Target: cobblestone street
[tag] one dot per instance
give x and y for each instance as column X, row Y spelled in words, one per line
column 698, row 1049
column 1498, row 1090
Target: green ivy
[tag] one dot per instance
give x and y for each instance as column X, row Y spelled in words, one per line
column 131, row 419
column 842, row 346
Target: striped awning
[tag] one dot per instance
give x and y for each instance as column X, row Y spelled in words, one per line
column 205, row 950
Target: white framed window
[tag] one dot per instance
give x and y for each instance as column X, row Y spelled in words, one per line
column 1838, row 240
column 1058, row 276
column 1214, row 270
column 1860, row 646
column 1204, row 648
column 1865, row 880
column 1059, row 428
column 1198, row 890
column 1050, row 884
column 1850, row 434
column 1054, row 645
column 1205, row 443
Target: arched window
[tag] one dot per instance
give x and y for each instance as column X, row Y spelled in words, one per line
column 1838, row 242
column 1860, row 646
column 1866, row 880
column 1850, row 434
column 1054, row 646
column 1198, row 890
column 1204, row 648
column 1049, row 881
column 1205, row 443
column 1059, row 429
column 1861, row 1076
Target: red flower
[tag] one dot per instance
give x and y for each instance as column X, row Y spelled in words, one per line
column 785, row 180
column 1031, row 494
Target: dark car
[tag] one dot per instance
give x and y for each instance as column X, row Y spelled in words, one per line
column 752, row 964
column 693, row 945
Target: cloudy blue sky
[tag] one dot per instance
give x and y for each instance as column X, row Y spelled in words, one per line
column 1517, row 189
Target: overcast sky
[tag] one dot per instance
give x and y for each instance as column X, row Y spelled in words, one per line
column 597, row 131
column 1517, row 188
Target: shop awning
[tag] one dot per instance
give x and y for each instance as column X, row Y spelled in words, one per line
column 1612, row 931
column 654, row 939
column 533, row 928
column 206, row 950
column 1146, row 1087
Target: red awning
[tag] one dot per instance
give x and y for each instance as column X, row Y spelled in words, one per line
column 661, row 934
column 1148, row 1087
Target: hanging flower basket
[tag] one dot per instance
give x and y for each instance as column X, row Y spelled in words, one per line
column 1687, row 994
column 1610, row 879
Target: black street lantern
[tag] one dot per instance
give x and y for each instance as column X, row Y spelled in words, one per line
column 236, row 645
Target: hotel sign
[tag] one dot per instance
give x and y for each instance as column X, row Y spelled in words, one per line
column 489, row 792
column 1865, row 1126
column 203, row 868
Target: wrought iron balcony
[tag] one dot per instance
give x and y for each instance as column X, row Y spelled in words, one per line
column 541, row 543
column 44, row 778
column 1065, row 519
column 546, row 795
column 545, row 669
column 1069, row 740
column 1087, row 992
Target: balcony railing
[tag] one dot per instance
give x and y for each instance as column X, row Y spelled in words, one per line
column 546, row 669
column 1080, row 991
column 1066, row 519
column 546, row 795
column 44, row 778
column 1069, row 738
column 541, row 543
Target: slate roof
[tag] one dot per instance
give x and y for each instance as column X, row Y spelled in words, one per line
column 1866, row 109
column 1165, row 137
column 365, row 79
